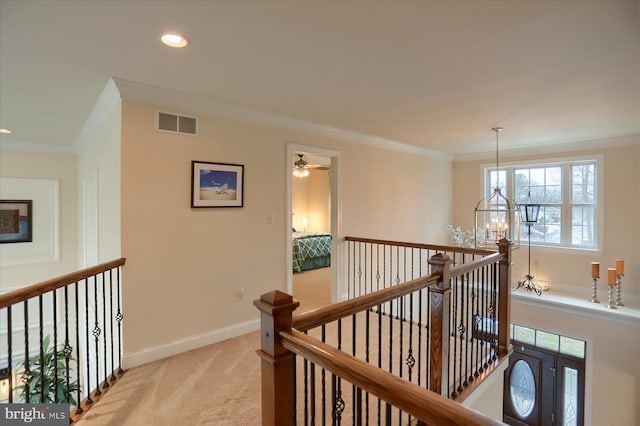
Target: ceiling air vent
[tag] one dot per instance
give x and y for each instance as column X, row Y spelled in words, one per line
column 174, row 123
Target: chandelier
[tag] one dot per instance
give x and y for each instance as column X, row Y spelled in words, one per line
column 497, row 216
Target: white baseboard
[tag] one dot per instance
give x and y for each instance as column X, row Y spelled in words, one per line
column 154, row 353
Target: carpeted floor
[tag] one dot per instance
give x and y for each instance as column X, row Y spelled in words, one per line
column 214, row 385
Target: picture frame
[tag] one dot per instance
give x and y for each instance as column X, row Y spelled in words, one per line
column 16, row 221
column 217, row 184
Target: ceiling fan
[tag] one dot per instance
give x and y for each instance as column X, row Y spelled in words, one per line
column 301, row 167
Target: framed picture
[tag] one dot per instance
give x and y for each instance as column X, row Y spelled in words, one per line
column 16, row 221
column 217, row 184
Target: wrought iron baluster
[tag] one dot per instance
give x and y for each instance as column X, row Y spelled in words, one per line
column 366, row 355
column 55, row 346
column 350, row 290
column 42, row 366
column 79, row 409
column 66, row 348
column 10, row 352
column 379, row 350
column 96, row 334
column 27, row 375
column 353, row 352
column 360, row 269
column 113, row 360
column 312, row 397
column 294, row 413
column 452, row 331
column 494, row 323
column 306, row 390
column 104, row 335
column 324, row 384
column 378, row 266
column 119, row 318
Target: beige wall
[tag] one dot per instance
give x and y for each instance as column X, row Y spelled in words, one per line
column 185, row 266
column 311, row 199
column 572, row 267
column 62, row 167
column 100, row 156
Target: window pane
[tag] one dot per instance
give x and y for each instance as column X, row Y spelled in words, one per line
column 550, row 218
column 583, row 226
column 583, row 183
column 524, row 334
column 570, row 400
column 498, row 179
column 547, row 340
column 572, row 346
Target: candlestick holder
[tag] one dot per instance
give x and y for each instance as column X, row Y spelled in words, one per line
column 594, row 287
column 612, row 303
column 619, row 290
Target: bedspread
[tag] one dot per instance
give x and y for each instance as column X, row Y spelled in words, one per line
column 311, row 250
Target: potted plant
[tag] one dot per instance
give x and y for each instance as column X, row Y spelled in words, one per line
column 47, row 371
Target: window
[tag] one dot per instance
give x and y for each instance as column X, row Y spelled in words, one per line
column 567, row 193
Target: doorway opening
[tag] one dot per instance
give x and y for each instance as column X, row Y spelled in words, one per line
column 313, row 226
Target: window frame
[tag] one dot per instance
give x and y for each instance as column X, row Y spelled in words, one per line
column 566, row 206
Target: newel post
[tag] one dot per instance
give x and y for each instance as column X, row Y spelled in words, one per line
column 504, row 304
column 276, row 311
column 439, row 297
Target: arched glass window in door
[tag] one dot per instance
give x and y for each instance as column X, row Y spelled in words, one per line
column 522, row 389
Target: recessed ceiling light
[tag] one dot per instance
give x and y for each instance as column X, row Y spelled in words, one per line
column 6, row 131
column 174, row 40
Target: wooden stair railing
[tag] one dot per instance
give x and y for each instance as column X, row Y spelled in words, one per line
column 467, row 302
column 81, row 315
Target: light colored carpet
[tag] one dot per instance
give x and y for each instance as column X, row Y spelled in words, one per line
column 214, row 385
column 312, row 288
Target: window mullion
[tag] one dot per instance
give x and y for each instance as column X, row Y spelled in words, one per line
column 567, row 207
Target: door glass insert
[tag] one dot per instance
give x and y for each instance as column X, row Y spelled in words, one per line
column 570, row 402
column 523, row 389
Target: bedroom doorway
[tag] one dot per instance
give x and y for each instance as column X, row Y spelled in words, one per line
column 313, row 203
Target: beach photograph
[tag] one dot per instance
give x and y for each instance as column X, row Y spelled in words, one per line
column 218, row 185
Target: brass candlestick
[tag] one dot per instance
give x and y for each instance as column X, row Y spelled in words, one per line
column 594, row 297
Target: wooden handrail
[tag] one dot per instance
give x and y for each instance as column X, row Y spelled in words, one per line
column 476, row 264
column 423, row 404
column 326, row 314
column 55, row 283
column 467, row 250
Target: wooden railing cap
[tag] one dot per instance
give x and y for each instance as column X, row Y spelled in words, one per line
column 277, row 297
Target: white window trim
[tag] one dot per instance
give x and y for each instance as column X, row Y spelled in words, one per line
column 600, row 194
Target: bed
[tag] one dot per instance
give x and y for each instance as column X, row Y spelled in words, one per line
column 311, row 250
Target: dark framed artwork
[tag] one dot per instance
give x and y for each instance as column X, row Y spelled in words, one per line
column 217, row 184
column 16, row 221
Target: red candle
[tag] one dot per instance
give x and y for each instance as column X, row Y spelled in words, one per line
column 595, row 270
column 619, row 266
column 612, row 276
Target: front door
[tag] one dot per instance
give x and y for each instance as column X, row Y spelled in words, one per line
column 543, row 387
column 529, row 387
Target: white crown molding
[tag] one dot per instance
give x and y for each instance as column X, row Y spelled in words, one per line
column 105, row 102
column 604, row 143
column 133, row 91
column 15, row 145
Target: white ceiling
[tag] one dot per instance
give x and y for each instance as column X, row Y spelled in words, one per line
column 436, row 74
